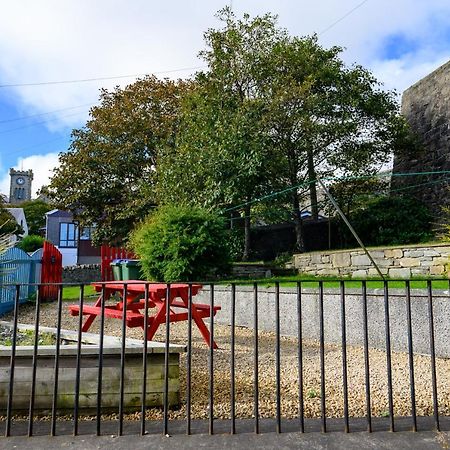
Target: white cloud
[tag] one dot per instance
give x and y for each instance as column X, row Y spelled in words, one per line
column 54, row 40
column 42, row 166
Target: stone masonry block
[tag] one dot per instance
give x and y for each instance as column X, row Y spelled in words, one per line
column 393, row 253
column 437, row 270
column 413, row 253
column 359, row 274
column 360, row 260
column 410, row 262
column 341, row 260
column 400, row 273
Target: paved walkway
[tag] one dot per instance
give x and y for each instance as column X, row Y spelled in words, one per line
column 245, row 439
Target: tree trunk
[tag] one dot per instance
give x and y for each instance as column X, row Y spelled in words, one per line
column 299, row 241
column 247, row 242
column 312, row 187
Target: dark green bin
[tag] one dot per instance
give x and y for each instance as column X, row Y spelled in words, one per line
column 116, row 265
column 131, row 269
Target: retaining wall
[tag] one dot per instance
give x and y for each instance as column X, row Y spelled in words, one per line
column 395, row 262
column 332, row 315
column 87, row 273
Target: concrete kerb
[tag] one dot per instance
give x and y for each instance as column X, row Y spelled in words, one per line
column 90, row 344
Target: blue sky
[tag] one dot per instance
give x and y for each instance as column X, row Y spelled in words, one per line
column 51, row 40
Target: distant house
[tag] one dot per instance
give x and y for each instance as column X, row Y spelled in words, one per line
column 75, row 245
column 19, row 216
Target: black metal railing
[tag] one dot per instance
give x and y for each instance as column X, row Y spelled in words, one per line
column 17, row 421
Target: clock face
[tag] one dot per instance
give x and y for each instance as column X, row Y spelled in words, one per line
column 20, row 180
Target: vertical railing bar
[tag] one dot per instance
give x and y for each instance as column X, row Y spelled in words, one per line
column 322, row 360
column 189, row 365
column 366, row 357
column 78, row 363
column 232, row 362
column 34, row 366
column 388, row 356
column 277, row 357
column 211, row 361
column 166, row 363
column 300, row 358
column 100, row 360
column 12, row 362
column 144, row 360
column 122, row 358
column 344, row 358
column 255, row 360
column 56, row 367
column 411, row 355
column 433, row 356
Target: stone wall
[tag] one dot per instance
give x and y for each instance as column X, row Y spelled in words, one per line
column 395, row 262
column 426, row 108
column 85, row 274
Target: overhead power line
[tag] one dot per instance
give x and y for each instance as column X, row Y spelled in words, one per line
column 343, row 17
column 16, row 119
column 87, row 80
column 351, row 178
column 30, row 125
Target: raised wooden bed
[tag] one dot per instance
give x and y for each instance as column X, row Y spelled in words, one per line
column 88, row 373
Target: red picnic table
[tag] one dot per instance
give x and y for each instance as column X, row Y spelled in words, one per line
column 157, row 297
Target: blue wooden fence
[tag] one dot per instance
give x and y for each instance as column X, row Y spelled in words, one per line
column 17, row 267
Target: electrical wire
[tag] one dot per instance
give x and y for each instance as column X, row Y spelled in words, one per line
column 16, row 119
column 87, row 80
column 343, row 17
column 351, row 178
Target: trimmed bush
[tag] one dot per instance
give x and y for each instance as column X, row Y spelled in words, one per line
column 178, row 243
column 31, row 243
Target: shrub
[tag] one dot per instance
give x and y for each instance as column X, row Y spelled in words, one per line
column 181, row 244
column 393, row 220
column 31, row 243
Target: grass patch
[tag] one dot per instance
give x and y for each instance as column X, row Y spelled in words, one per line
column 330, row 283
column 73, row 292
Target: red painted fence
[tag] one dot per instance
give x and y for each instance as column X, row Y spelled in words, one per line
column 51, row 272
column 108, row 254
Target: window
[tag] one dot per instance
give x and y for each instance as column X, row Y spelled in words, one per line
column 86, row 233
column 68, row 235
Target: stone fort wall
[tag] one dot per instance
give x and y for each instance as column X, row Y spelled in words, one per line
column 426, row 106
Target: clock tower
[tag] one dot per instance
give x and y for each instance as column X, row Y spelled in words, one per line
column 20, row 186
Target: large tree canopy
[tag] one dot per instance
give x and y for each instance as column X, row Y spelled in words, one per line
column 107, row 176
column 271, row 113
column 274, row 112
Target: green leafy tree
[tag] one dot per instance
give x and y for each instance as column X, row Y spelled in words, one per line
column 327, row 118
column 31, row 243
column 391, row 221
column 181, row 244
column 107, row 176
column 35, row 214
column 224, row 158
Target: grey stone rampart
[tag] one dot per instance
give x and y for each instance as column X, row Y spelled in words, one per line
column 426, row 107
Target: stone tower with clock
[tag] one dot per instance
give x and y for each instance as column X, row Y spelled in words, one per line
column 20, row 186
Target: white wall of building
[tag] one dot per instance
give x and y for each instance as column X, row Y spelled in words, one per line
column 69, row 256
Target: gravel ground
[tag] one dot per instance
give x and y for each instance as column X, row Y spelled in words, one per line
column 289, row 373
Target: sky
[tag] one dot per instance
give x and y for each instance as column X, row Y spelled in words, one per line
column 48, row 41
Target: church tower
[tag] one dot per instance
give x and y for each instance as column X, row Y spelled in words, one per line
column 20, row 186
